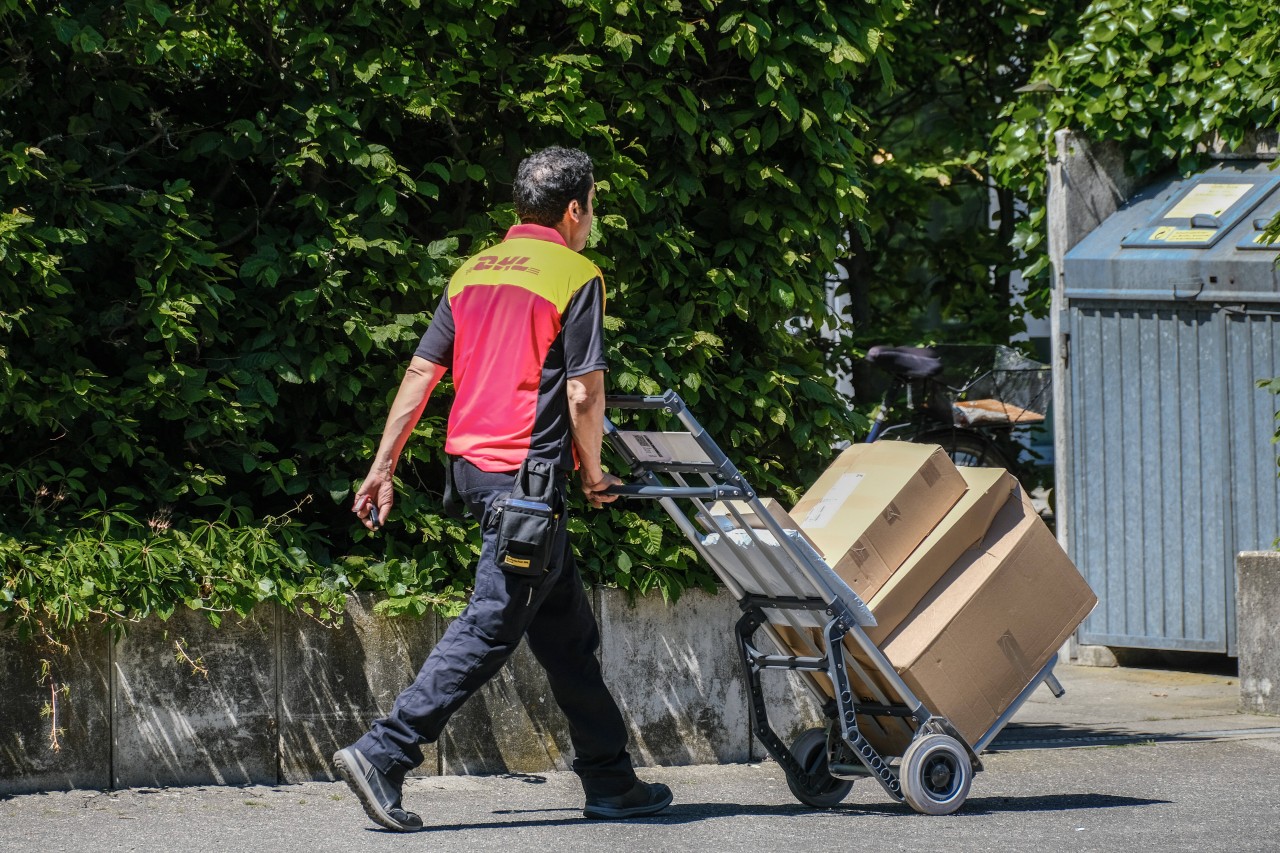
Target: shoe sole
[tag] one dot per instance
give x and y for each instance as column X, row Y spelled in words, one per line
column 609, row 813
column 356, row 782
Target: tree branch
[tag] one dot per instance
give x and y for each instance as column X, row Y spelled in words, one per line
column 257, row 219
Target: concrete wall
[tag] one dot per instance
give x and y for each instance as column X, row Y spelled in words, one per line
column 268, row 699
column 1257, row 637
column 73, row 683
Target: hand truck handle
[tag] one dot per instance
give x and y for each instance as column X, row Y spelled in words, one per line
column 713, row 493
column 670, row 401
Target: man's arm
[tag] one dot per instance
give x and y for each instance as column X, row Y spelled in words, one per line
column 420, row 379
column 586, row 418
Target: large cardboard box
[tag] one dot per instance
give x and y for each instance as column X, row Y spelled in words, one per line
column 873, row 506
column 978, row 635
column 991, row 622
column 962, row 528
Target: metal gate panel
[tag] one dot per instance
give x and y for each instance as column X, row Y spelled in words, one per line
column 1253, row 353
column 1147, row 511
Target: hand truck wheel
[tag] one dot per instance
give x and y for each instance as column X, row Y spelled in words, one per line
column 810, row 749
column 935, row 774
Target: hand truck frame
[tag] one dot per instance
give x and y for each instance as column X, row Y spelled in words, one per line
column 779, row 580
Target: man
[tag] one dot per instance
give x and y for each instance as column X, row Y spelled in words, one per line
column 521, row 325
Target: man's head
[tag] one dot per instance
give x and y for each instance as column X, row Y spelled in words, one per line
column 554, row 187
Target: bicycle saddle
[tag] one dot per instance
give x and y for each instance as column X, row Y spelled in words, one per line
column 905, row 362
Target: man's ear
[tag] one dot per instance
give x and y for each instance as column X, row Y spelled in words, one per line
column 574, row 210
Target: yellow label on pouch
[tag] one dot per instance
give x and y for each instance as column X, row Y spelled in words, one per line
column 515, row 561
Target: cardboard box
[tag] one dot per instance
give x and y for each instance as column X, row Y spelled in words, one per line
column 984, row 629
column 962, row 528
column 720, row 512
column 991, row 622
column 873, row 506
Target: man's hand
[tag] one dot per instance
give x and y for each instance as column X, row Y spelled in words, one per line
column 595, row 490
column 420, row 379
column 586, row 422
column 376, row 490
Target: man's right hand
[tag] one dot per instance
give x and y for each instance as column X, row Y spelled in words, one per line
column 420, row 378
column 378, row 491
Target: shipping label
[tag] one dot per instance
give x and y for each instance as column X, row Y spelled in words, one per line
column 826, row 509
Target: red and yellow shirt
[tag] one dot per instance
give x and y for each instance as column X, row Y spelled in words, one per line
column 516, row 322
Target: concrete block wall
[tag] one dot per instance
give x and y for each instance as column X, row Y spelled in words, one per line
column 268, row 699
column 70, row 746
column 334, row 681
column 195, row 705
column 1257, row 637
column 511, row 726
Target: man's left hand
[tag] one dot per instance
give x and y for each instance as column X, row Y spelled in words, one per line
column 595, row 491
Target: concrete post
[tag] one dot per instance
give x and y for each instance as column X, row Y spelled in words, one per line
column 1087, row 183
column 675, row 672
column 1257, row 639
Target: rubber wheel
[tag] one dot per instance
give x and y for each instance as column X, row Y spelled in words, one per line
column 965, row 449
column 935, row 774
column 810, row 749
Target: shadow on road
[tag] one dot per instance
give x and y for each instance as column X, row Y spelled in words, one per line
column 694, row 812
column 1052, row 803
column 1052, row 736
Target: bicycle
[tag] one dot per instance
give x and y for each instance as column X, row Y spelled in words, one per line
column 968, row 399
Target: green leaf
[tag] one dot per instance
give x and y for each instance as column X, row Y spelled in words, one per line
column 386, row 200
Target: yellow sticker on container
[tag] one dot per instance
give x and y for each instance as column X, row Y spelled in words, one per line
column 1190, row 235
column 1213, row 199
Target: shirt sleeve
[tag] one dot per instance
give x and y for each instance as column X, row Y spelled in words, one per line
column 583, row 330
column 437, row 344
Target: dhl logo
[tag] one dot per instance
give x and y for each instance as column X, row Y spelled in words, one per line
column 493, row 262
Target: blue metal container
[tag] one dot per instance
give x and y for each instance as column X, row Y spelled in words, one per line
column 1171, row 308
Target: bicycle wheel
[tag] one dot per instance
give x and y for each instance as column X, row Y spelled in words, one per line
column 966, row 448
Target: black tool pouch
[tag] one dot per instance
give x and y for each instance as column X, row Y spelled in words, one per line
column 527, row 520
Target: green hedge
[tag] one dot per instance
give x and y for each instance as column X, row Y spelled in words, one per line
column 224, row 226
column 1162, row 78
column 1165, row 79
column 937, row 264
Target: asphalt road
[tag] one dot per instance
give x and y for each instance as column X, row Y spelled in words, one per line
column 1128, row 760
column 1179, row 795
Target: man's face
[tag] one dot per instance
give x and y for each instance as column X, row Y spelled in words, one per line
column 580, row 229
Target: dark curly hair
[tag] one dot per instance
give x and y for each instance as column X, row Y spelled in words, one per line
column 548, row 180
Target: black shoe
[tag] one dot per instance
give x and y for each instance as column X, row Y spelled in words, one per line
column 644, row 798
column 379, row 795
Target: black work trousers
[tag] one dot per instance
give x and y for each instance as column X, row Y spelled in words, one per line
column 552, row 611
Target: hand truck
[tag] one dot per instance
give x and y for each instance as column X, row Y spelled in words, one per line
column 783, row 585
